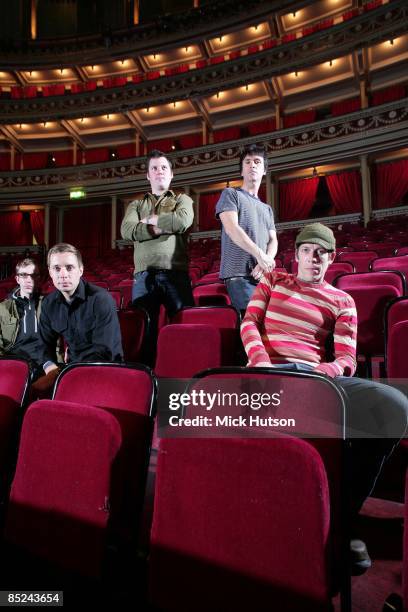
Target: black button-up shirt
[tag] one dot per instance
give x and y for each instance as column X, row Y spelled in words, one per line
column 89, row 325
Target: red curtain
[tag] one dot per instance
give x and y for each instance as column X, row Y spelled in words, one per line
column 64, row 158
column 37, row 225
column 299, row 118
column 164, row 145
column 288, row 37
column 296, row 198
column 95, row 156
column 5, row 161
column 231, row 133
column 345, row 106
column 262, row 127
column 127, row 150
column 15, row 229
column 345, row 191
column 207, row 220
column 33, row 161
column 391, row 183
column 388, row 95
column 88, row 228
column 189, row 141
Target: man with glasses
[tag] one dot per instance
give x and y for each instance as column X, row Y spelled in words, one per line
column 19, row 316
column 300, row 322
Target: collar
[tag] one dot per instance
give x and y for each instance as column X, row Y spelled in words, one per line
column 166, row 194
column 79, row 294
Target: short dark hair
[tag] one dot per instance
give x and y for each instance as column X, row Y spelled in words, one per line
column 64, row 247
column 23, row 263
column 155, row 154
column 253, row 149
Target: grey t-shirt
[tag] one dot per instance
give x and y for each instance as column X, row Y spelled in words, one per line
column 255, row 218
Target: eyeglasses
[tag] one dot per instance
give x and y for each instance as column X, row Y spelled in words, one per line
column 25, row 276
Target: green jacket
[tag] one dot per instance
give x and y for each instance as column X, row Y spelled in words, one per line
column 169, row 250
column 9, row 322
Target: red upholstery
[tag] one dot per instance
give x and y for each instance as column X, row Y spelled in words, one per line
column 391, row 263
column 211, row 294
column 371, row 302
column 397, row 342
column 225, row 318
column 134, row 326
column 183, row 350
column 243, row 522
column 392, row 278
column 14, row 376
column 360, row 259
column 396, row 311
column 59, row 502
column 128, row 393
column 337, row 268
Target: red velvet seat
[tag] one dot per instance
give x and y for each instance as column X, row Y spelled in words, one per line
column 395, row 312
column 360, row 259
column 225, row 318
column 212, row 294
column 337, row 268
column 59, row 502
column 129, row 394
column 244, row 522
column 184, row 349
column 134, row 327
column 391, row 263
column 14, row 380
column 392, row 277
column 235, row 530
column 396, row 357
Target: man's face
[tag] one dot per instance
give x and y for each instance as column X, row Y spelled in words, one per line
column 65, row 272
column 313, row 261
column 253, row 169
column 27, row 279
column 159, row 174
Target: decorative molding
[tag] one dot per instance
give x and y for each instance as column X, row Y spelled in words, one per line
column 388, row 21
column 337, row 139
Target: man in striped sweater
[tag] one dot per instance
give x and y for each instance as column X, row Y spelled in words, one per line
column 300, row 322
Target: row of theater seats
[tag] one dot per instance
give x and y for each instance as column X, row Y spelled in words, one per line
column 220, row 538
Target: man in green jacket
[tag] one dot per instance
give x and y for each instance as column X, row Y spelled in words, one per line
column 19, row 316
column 157, row 225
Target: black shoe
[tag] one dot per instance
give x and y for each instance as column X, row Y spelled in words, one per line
column 359, row 558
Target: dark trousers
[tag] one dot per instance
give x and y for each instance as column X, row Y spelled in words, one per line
column 151, row 288
column 376, row 420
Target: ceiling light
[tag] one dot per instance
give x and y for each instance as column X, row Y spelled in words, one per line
column 45, row 124
column 187, row 49
column 108, row 116
column 296, row 73
column 255, row 28
column 92, row 67
column 174, row 104
column 391, row 41
column 82, row 120
column 62, row 71
column 220, row 39
column 330, row 63
column 217, row 94
column 246, row 87
column 147, row 109
column 154, row 56
column 294, row 15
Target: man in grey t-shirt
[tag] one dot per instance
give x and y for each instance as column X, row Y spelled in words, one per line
column 248, row 239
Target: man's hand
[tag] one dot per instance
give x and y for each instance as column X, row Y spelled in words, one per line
column 50, row 368
column 152, row 220
column 265, row 262
column 257, row 272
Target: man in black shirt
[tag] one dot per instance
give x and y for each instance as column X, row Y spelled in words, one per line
column 19, row 315
column 83, row 314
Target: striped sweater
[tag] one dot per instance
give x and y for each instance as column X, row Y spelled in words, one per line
column 292, row 321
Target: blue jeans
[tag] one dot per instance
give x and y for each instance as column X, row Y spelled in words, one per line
column 240, row 290
column 151, row 288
